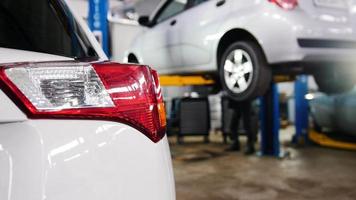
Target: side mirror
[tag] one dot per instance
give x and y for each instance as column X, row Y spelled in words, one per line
column 144, row 21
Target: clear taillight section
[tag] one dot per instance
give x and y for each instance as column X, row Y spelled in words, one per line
column 105, row 91
column 286, row 4
column 60, row 87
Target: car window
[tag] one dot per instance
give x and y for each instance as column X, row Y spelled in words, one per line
column 197, row 2
column 44, row 26
column 172, row 8
column 193, row 3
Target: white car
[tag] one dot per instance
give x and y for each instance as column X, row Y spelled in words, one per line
column 72, row 124
column 245, row 41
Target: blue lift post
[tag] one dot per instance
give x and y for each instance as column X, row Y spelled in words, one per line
column 98, row 22
column 270, row 122
column 301, row 110
column 270, row 118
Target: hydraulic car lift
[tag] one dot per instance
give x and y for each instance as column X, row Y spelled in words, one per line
column 270, row 119
column 98, row 23
column 303, row 133
column 196, row 80
column 323, row 140
column 301, row 110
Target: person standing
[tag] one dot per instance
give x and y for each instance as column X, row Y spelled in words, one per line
column 242, row 109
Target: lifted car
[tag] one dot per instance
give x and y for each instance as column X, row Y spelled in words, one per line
column 244, row 42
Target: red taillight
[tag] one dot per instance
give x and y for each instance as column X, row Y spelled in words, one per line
column 129, row 94
column 286, row 4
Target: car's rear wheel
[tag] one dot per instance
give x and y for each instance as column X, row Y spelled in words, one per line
column 334, row 81
column 243, row 71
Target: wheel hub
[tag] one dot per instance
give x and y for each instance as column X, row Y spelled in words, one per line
column 238, row 71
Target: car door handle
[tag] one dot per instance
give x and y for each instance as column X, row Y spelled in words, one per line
column 173, row 22
column 220, row 3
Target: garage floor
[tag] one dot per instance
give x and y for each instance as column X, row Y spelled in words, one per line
column 206, row 172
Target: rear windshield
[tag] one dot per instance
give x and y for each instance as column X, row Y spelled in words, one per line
column 44, row 26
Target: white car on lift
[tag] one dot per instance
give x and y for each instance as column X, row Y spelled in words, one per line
column 72, row 124
column 245, row 41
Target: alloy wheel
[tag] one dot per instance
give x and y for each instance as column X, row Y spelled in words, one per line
column 238, row 71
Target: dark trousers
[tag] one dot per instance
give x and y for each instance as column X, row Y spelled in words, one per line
column 242, row 109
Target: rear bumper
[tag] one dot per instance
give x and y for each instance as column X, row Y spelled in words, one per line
column 296, row 36
column 314, row 65
column 68, row 159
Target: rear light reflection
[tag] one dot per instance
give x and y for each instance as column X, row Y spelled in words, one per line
column 129, row 94
column 286, row 4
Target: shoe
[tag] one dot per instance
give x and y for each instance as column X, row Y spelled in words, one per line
column 250, row 151
column 233, row 147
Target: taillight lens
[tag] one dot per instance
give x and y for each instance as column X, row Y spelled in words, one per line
column 130, row 94
column 286, row 4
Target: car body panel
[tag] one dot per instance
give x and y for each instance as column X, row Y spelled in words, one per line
column 304, row 22
column 79, row 159
column 199, row 33
column 82, row 159
column 322, row 109
column 9, row 112
column 18, row 56
column 276, row 30
column 160, row 52
column 335, row 113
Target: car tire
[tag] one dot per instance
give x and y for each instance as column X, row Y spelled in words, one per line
column 334, row 82
column 244, row 72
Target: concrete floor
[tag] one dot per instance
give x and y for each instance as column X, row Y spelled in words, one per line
column 206, row 172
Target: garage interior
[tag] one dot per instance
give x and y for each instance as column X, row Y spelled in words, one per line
column 295, row 157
